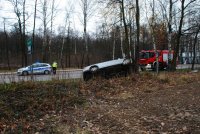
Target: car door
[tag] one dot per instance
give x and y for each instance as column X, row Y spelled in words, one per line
column 42, row 67
column 34, row 68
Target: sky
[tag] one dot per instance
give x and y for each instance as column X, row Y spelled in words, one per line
column 61, row 5
column 7, row 11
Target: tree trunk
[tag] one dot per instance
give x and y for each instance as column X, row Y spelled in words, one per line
column 121, row 36
column 21, row 41
column 6, row 43
column 51, row 31
column 170, row 35
column 62, row 49
column 24, row 33
column 126, row 46
column 33, row 35
column 179, row 34
column 194, row 47
column 69, row 46
column 114, row 43
column 136, row 68
column 85, row 15
column 153, row 38
column 44, row 50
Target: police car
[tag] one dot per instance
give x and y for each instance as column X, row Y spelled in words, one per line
column 36, row 68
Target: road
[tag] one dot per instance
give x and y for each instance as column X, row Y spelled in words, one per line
column 61, row 74
column 187, row 66
column 10, row 77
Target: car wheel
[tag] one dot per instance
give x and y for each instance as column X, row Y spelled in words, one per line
column 87, row 76
column 142, row 68
column 46, row 72
column 25, row 73
column 160, row 67
column 94, row 69
column 154, row 66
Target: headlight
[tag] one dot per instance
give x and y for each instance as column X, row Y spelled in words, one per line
column 126, row 61
column 19, row 70
column 148, row 66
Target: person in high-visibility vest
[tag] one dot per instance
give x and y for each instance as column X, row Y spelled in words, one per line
column 54, row 67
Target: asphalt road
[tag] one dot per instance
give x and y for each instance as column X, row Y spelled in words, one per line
column 187, row 66
column 10, row 77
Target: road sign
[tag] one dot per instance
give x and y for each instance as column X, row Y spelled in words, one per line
column 29, row 45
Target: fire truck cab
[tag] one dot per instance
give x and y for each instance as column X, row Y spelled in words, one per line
column 147, row 59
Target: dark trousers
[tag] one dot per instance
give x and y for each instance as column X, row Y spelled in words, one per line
column 54, row 70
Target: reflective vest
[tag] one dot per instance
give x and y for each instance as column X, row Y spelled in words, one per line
column 54, row 65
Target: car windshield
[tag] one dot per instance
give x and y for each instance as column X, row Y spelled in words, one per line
column 146, row 55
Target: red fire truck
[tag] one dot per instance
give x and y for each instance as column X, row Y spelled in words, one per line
column 148, row 59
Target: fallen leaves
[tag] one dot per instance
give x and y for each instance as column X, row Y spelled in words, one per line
column 145, row 103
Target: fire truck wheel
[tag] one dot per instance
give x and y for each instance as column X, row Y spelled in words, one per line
column 142, row 68
column 154, row 66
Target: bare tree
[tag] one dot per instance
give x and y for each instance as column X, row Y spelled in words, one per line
column 137, row 17
column 184, row 6
column 54, row 11
column 152, row 24
column 126, row 48
column 21, row 25
column 88, row 8
column 170, row 34
column 113, row 20
column 114, row 43
column 51, row 27
column 121, row 35
column 195, row 30
column 44, row 19
column 33, row 34
column 68, row 11
column 24, row 32
column 168, row 19
column 125, row 6
column 194, row 45
column 48, row 13
column 6, row 43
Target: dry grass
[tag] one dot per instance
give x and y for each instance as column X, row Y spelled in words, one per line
column 30, row 107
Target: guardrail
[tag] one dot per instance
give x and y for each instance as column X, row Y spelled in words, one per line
column 9, row 77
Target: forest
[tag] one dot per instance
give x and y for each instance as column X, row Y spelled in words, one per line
column 93, row 31
column 126, row 27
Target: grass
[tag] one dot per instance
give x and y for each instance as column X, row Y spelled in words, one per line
column 21, row 99
column 26, row 103
column 31, row 102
